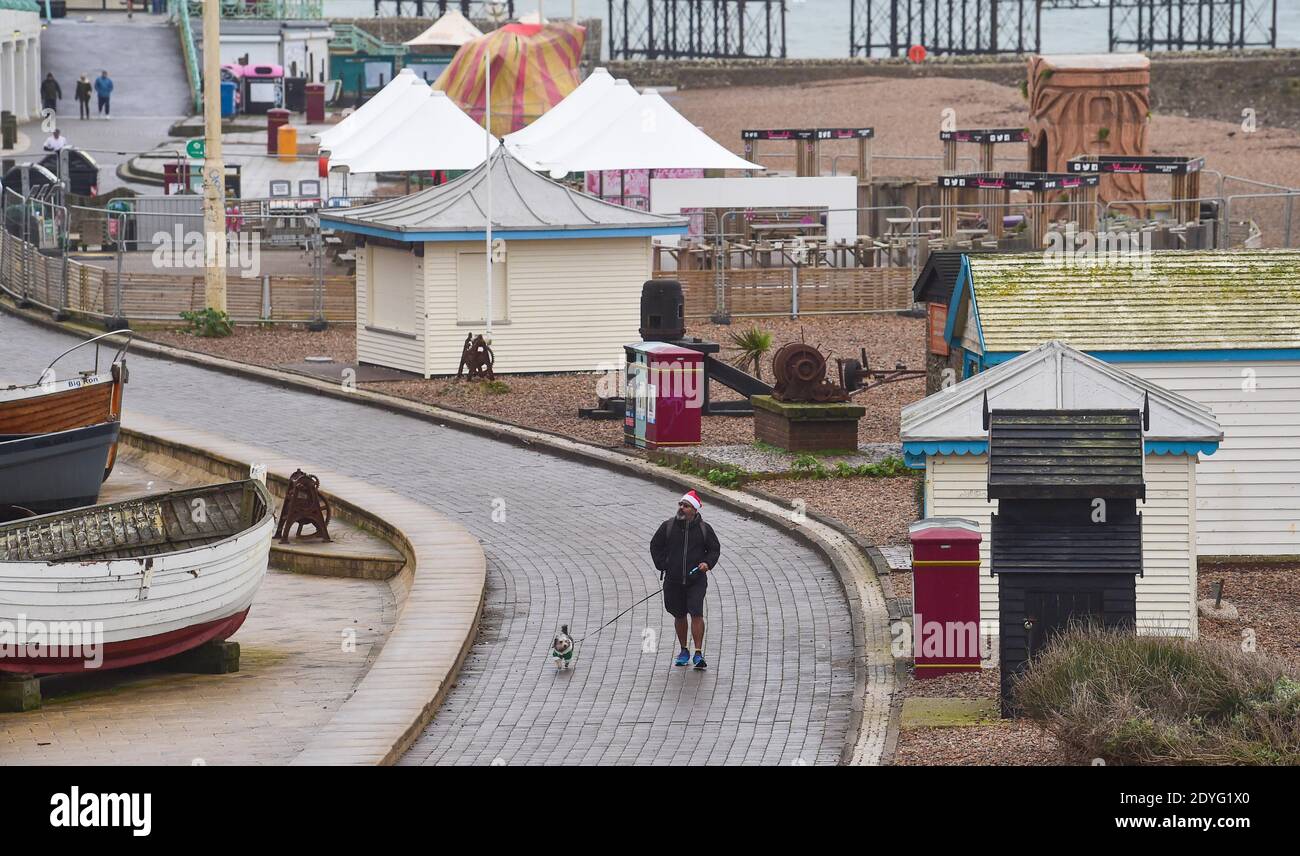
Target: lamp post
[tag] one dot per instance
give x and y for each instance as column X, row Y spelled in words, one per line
column 487, row 147
column 214, row 170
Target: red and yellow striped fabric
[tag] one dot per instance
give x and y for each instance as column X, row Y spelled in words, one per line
column 533, row 68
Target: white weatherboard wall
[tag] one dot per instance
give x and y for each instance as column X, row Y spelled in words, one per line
column 957, row 486
column 837, row 193
column 571, row 304
column 1248, row 492
column 387, row 279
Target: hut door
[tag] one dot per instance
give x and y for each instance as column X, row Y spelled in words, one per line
column 1050, row 612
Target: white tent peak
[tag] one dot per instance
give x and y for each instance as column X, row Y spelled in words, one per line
column 424, row 131
column 451, row 30
column 387, row 100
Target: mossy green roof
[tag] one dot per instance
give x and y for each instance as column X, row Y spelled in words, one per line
column 1174, row 300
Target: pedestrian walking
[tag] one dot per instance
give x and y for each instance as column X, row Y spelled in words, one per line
column 685, row 549
column 50, row 92
column 104, row 89
column 83, row 96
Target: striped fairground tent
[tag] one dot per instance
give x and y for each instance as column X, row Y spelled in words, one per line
column 533, row 67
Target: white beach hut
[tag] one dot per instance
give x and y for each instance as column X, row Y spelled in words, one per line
column 565, row 292
column 944, row 434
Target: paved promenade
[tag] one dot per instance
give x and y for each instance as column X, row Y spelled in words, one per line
column 566, row 543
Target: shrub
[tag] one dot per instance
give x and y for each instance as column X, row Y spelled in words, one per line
column 1162, row 700
column 209, row 323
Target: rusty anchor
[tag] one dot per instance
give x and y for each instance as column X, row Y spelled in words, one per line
column 476, row 358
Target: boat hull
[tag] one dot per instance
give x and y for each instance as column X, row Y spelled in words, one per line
column 63, row 405
column 135, row 610
column 132, row 652
column 56, row 471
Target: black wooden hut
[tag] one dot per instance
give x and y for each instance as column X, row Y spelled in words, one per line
column 1066, row 541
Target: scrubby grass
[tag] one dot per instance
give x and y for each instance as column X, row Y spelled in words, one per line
column 1158, row 700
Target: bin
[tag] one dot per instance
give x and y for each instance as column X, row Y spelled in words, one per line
column 275, row 118
column 665, row 396
column 287, row 142
column 315, row 102
column 945, row 595
column 229, row 102
column 295, row 94
column 8, row 129
column 120, row 225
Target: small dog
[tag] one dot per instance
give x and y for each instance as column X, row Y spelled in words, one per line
column 562, row 648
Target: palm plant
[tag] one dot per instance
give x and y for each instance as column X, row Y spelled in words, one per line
column 752, row 345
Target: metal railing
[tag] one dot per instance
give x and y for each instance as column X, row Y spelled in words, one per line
column 180, row 10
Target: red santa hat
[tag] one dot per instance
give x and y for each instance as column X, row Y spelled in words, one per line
column 691, row 497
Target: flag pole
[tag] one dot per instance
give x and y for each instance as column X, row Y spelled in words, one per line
column 487, row 146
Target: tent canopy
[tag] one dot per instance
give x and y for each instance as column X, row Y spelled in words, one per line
column 433, row 134
column 387, row 100
column 647, row 134
column 524, row 205
column 451, row 30
column 533, row 69
column 585, row 115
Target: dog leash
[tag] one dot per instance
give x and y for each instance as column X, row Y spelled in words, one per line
column 596, row 632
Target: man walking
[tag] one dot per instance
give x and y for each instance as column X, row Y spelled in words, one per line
column 104, row 89
column 50, row 92
column 83, row 96
column 685, row 549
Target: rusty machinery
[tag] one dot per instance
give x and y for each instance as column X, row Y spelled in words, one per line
column 303, row 504
column 800, row 372
column 476, row 359
column 857, row 375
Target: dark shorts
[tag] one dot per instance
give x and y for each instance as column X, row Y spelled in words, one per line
column 680, row 600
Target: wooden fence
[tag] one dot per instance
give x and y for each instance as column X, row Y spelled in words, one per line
column 778, row 291
column 92, row 290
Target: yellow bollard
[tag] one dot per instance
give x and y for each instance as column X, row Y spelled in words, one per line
column 286, row 142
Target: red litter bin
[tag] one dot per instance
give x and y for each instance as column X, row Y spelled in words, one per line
column 275, row 117
column 315, row 102
column 664, row 397
column 945, row 595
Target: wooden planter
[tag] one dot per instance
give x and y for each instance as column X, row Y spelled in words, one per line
column 801, row 427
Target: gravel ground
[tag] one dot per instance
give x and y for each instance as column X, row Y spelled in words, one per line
column 1267, row 598
column 551, row 402
column 878, row 509
column 906, row 115
column 1008, row 744
column 753, row 459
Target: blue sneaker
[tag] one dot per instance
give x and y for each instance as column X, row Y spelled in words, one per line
column 698, row 660
column 683, row 659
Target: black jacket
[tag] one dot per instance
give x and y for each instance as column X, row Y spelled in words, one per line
column 677, row 547
column 83, row 90
column 50, row 90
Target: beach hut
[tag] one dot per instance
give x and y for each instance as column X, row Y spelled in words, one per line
column 1221, row 328
column 567, row 272
column 944, row 434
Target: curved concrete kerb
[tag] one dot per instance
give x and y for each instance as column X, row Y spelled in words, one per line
column 439, row 593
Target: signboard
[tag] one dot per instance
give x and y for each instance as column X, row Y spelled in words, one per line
column 987, row 135
column 196, row 148
column 809, row 134
column 1136, row 165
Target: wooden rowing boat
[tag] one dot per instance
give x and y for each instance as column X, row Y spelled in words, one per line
column 145, row 579
column 55, row 471
column 50, row 404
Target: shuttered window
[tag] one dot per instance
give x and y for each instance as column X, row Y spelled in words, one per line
column 471, row 293
column 392, row 289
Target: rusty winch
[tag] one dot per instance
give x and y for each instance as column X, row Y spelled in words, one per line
column 800, row 372
column 476, row 359
column 303, row 504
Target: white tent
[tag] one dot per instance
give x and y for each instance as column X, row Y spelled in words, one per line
column 451, row 30
column 388, row 99
column 586, row 111
column 427, row 133
column 647, row 134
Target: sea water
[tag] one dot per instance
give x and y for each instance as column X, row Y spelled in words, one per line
column 820, row 28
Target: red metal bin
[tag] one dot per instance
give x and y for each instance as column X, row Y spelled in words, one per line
column 276, row 118
column 315, row 102
column 664, row 397
column 945, row 595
